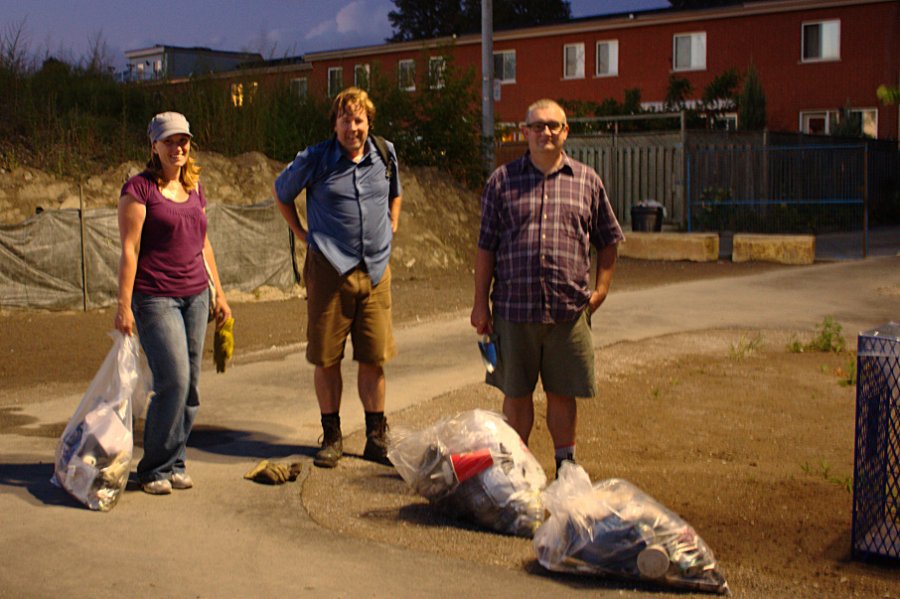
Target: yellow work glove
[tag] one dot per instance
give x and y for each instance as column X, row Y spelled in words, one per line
column 272, row 473
column 223, row 344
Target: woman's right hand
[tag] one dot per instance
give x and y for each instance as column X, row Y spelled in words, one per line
column 124, row 321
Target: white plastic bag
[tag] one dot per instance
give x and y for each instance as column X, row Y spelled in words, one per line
column 94, row 453
column 613, row 528
column 473, row 466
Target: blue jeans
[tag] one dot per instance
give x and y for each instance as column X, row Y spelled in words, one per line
column 172, row 331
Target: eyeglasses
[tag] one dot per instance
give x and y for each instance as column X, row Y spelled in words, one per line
column 555, row 127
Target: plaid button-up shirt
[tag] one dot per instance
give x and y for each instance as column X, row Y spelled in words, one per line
column 540, row 230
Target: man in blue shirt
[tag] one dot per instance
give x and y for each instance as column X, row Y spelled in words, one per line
column 353, row 197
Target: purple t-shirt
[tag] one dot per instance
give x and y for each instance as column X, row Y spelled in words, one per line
column 171, row 260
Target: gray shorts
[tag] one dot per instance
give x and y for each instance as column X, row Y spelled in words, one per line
column 562, row 354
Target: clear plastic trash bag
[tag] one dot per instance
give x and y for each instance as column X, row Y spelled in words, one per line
column 93, row 457
column 473, row 466
column 613, row 528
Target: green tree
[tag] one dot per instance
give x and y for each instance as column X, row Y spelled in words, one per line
column 677, row 92
column 720, row 96
column 849, row 125
column 415, row 20
column 752, row 103
column 888, row 94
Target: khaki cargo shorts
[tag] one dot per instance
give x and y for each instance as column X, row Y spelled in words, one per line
column 341, row 306
column 562, row 354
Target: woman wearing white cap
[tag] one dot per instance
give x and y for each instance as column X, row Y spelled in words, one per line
column 163, row 293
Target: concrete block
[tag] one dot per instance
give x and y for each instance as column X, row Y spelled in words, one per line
column 694, row 247
column 781, row 249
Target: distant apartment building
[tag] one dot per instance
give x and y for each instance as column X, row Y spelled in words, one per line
column 172, row 62
column 817, row 60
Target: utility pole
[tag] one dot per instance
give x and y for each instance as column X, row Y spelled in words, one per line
column 487, row 84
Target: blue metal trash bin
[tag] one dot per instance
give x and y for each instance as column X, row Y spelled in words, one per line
column 876, row 472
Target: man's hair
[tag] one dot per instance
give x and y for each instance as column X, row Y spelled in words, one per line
column 352, row 99
column 545, row 103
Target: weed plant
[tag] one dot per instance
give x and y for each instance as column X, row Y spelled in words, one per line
column 745, row 346
column 829, row 338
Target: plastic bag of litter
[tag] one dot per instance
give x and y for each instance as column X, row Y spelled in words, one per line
column 613, row 528
column 473, row 466
column 94, row 453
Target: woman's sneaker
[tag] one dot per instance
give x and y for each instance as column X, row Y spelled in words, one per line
column 182, row 480
column 158, row 487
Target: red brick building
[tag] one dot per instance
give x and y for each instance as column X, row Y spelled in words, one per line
column 814, row 58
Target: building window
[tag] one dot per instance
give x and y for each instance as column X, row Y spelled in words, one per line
column 823, row 122
column 437, row 67
column 300, row 87
column 505, row 66
column 868, row 118
column 607, row 58
column 406, row 75
column 574, row 61
column 689, row 51
column 157, row 68
column 361, row 76
column 817, row 122
column 821, row 41
column 335, row 80
column 243, row 93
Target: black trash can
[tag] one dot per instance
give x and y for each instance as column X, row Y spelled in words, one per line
column 646, row 218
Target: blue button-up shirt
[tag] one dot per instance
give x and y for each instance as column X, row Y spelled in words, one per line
column 347, row 204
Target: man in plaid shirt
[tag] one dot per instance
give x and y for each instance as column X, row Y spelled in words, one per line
column 540, row 216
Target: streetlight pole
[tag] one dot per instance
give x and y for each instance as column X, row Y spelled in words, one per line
column 487, row 84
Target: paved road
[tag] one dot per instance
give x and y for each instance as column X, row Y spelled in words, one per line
column 229, row 538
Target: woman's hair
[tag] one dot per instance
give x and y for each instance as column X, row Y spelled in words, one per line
column 352, row 98
column 190, row 172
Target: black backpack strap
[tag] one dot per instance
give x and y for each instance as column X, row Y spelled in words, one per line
column 381, row 146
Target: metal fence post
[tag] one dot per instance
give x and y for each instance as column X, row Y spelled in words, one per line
column 84, row 291
column 865, row 248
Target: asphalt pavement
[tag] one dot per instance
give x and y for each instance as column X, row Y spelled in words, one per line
column 231, row 538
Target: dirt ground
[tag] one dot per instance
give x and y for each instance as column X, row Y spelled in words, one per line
column 748, row 442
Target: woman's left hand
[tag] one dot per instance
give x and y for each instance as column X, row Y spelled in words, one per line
column 222, row 310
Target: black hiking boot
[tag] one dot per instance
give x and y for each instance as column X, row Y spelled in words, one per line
column 332, row 442
column 376, row 438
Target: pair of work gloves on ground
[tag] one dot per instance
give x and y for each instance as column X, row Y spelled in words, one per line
column 223, row 344
column 273, row 473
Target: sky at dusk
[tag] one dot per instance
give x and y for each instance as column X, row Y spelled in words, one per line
column 274, row 28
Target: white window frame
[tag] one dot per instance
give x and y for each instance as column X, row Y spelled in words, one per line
column 697, row 51
column 830, row 117
column 829, row 41
column 362, row 67
column 300, row 87
column 578, row 49
column 504, row 77
column 612, row 56
column 437, row 67
column 407, row 66
column 339, row 73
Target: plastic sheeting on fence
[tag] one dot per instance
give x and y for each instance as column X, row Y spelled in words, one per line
column 45, row 264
